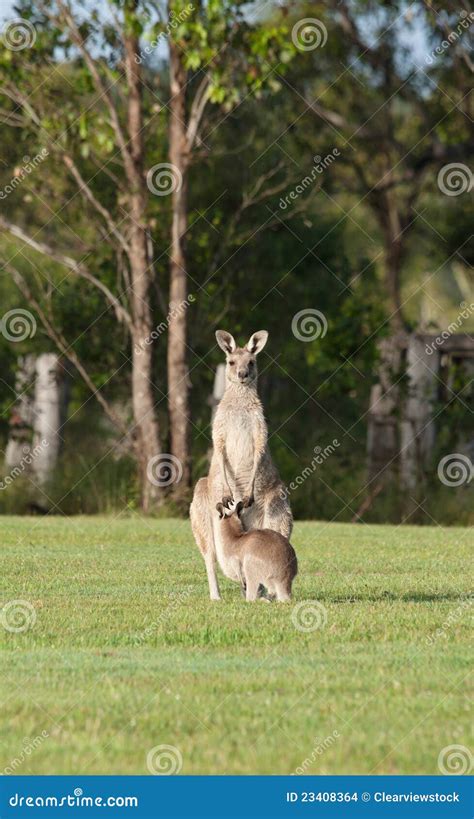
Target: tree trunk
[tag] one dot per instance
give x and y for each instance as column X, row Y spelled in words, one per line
column 215, row 398
column 218, row 389
column 393, row 257
column 417, row 428
column 393, row 241
column 383, row 430
column 50, row 409
column 21, row 418
column 383, row 440
column 147, row 439
column 178, row 378
column 38, row 416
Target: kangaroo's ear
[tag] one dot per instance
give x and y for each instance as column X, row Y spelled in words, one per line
column 225, row 341
column 257, row 341
column 220, row 509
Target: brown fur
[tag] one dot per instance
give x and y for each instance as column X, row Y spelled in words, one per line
column 241, row 466
column 261, row 556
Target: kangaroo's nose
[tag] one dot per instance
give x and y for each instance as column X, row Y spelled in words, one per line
column 242, row 374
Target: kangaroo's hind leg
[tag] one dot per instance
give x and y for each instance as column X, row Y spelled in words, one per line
column 251, row 581
column 283, row 591
column 201, row 524
column 243, row 582
column 252, row 590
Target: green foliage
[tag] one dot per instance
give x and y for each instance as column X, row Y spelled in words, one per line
column 237, row 54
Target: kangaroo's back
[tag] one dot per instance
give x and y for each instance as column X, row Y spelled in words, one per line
column 271, row 547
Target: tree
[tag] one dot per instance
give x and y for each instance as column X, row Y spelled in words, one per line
column 217, row 58
column 407, row 107
column 117, row 109
column 397, row 119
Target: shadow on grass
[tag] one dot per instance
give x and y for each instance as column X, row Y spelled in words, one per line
column 407, row 597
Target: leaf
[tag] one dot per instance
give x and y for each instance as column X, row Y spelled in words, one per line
column 83, row 126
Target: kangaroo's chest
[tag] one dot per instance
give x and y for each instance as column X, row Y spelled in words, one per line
column 239, row 438
column 230, row 564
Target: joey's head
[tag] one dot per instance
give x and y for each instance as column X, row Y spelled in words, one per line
column 241, row 362
column 228, row 511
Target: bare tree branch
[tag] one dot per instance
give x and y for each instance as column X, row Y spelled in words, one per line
column 71, row 264
column 331, row 117
column 12, row 119
column 89, row 195
column 102, row 88
column 65, row 348
column 443, row 27
column 105, row 169
column 83, row 186
column 197, row 110
column 256, row 195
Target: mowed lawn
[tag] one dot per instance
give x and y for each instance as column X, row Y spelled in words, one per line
column 128, row 653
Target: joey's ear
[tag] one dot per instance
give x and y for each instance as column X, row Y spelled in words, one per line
column 225, row 341
column 239, row 508
column 220, row 509
column 257, row 341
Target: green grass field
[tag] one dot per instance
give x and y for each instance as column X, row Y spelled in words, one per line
column 127, row 652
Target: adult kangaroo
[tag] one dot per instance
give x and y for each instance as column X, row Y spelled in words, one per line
column 241, row 468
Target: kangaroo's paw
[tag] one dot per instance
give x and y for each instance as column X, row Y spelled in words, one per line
column 227, row 500
column 248, row 500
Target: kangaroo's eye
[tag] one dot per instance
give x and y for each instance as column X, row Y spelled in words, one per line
column 250, row 365
column 231, row 363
